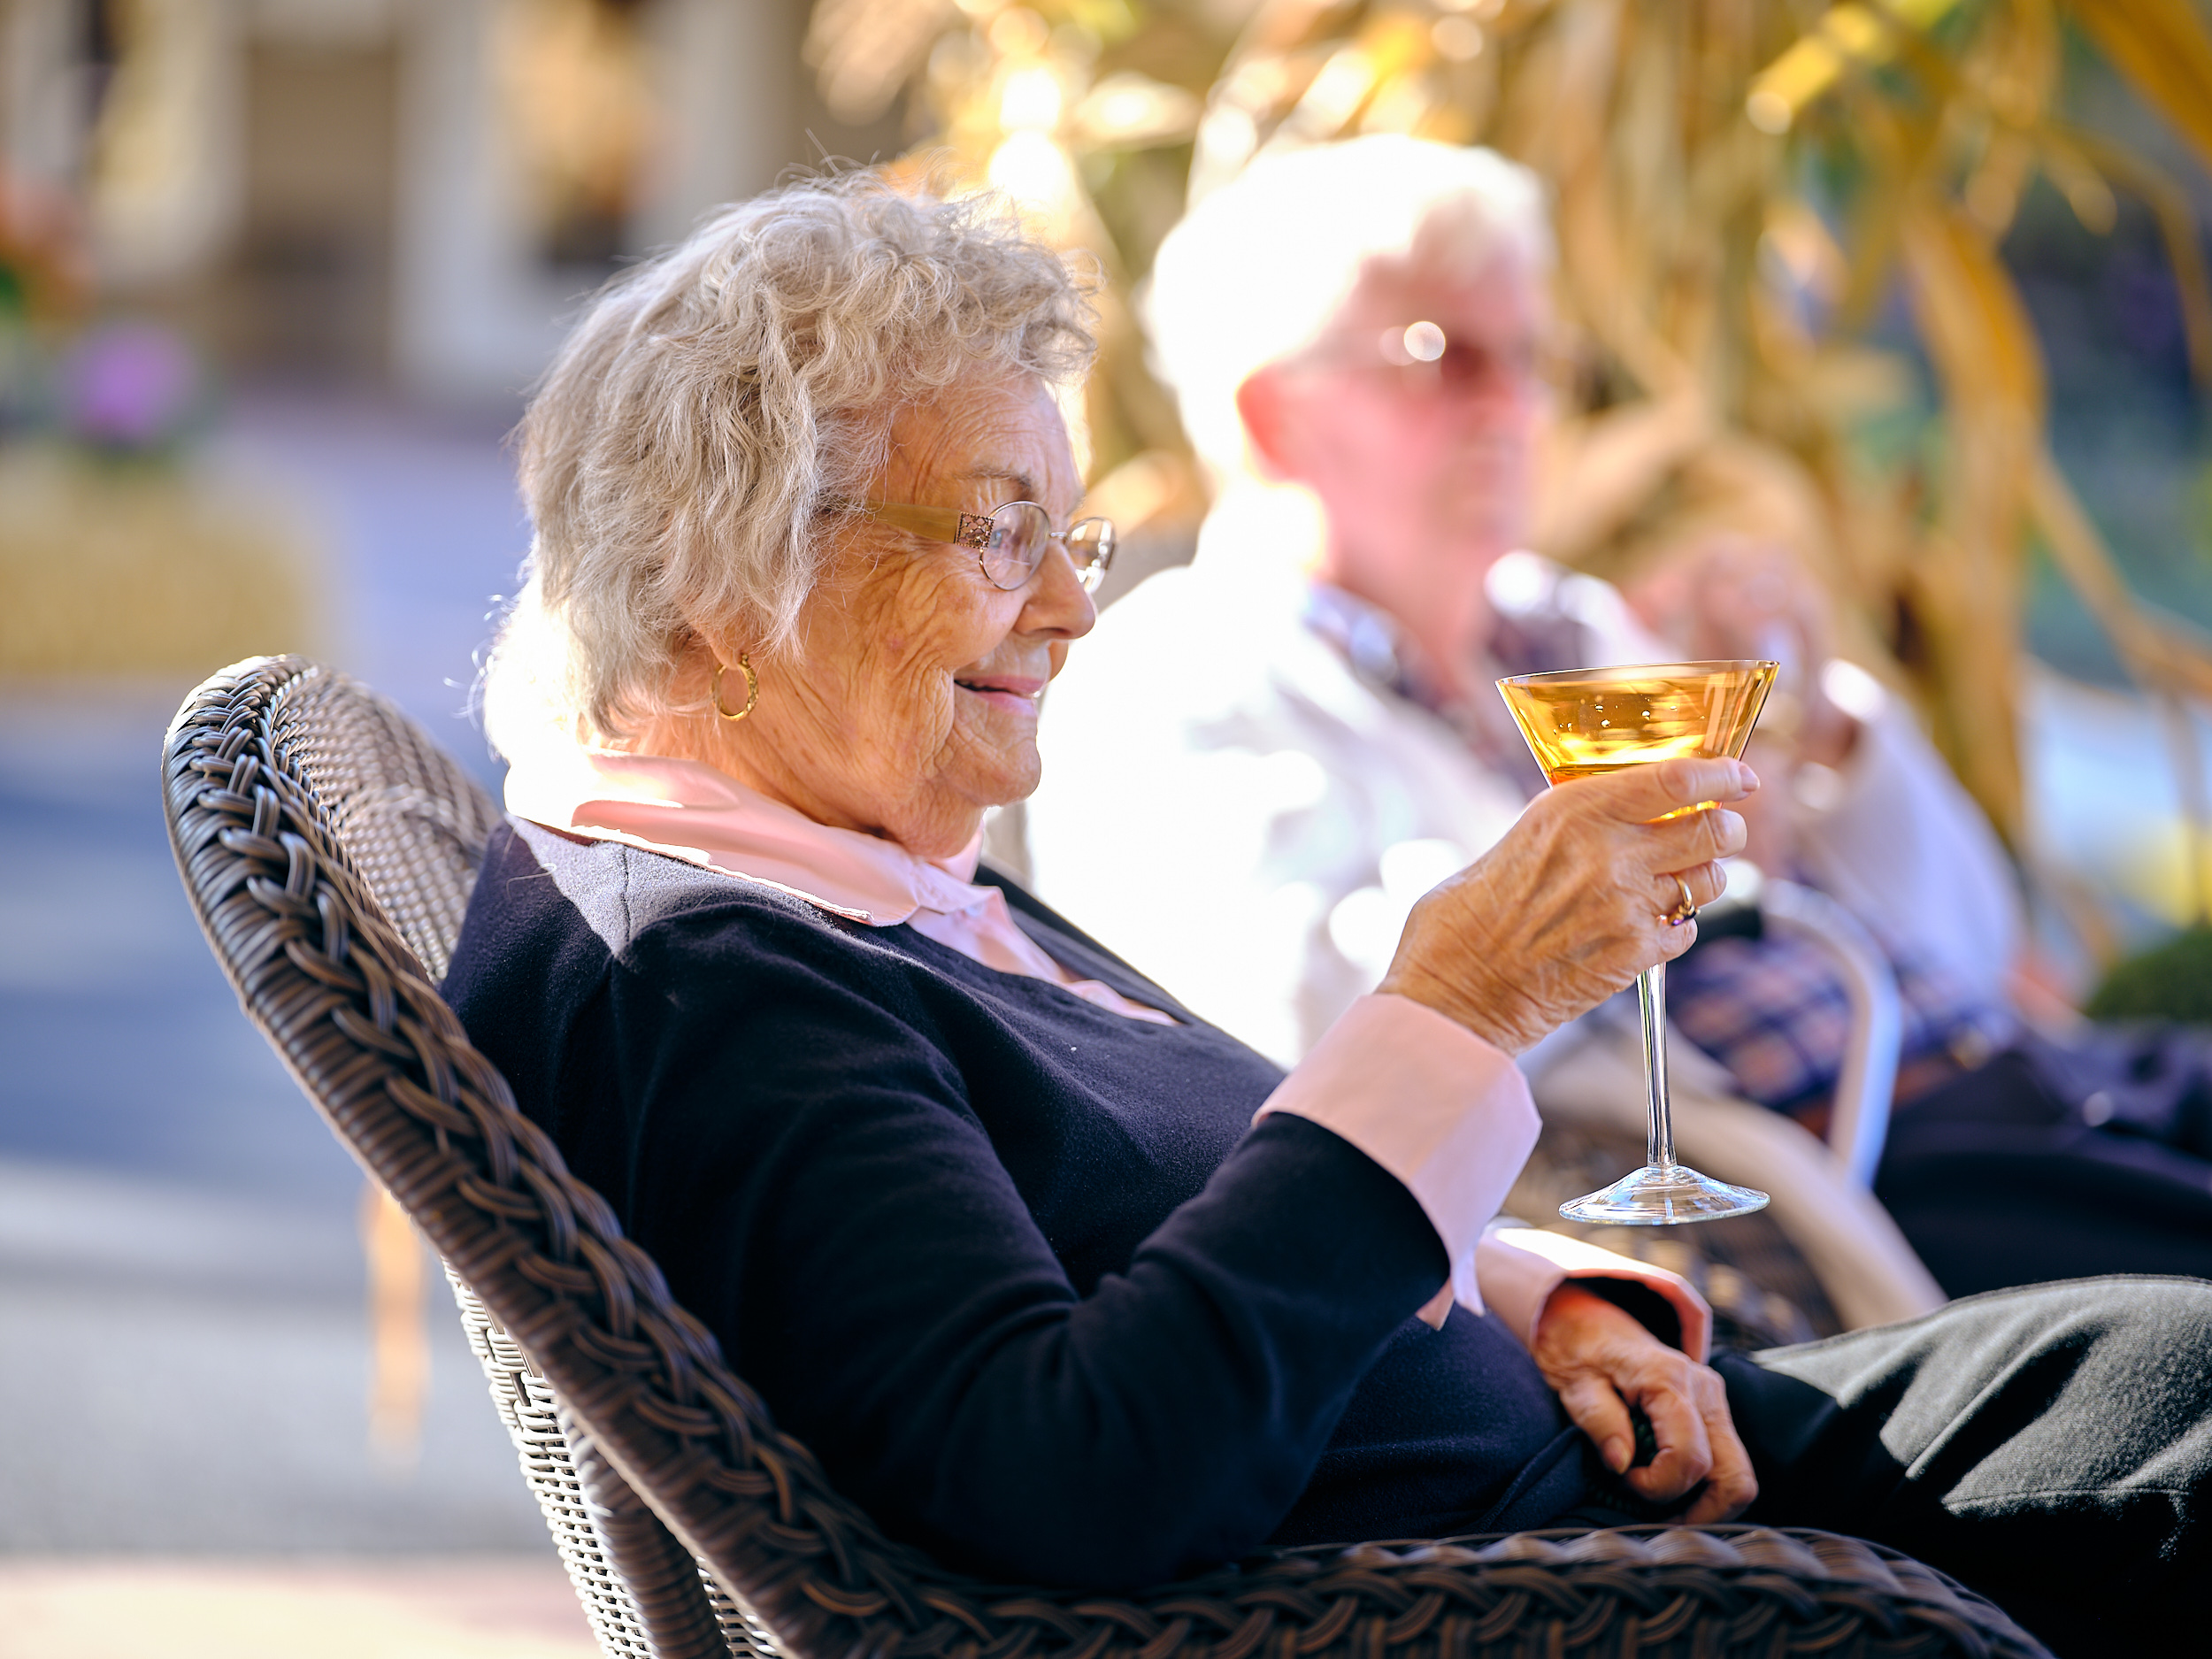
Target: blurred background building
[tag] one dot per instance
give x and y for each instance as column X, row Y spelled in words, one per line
column 389, row 192
column 273, row 276
column 1919, row 284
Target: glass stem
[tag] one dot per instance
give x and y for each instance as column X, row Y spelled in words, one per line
column 1651, row 999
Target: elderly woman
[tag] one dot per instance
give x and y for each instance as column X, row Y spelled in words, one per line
column 1059, row 1281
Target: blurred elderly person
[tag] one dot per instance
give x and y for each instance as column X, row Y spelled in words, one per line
column 1370, row 413
column 1059, row 1281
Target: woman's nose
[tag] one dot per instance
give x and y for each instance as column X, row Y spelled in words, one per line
column 1055, row 604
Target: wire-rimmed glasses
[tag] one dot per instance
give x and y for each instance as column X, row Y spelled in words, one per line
column 1009, row 543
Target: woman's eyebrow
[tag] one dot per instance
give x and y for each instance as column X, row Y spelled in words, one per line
column 1025, row 486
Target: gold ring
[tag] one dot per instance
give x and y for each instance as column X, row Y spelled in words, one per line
column 1685, row 911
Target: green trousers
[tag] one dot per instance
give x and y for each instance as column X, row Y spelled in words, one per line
column 2049, row 1447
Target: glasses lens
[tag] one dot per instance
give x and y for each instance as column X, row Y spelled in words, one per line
column 1020, row 531
column 1090, row 546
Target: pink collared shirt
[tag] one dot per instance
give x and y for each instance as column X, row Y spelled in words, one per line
column 687, row 809
column 1434, row 1105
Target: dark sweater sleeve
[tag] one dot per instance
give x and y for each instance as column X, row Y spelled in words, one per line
column 806, row 1163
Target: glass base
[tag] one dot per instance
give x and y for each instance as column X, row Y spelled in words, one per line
column 1664, row 1196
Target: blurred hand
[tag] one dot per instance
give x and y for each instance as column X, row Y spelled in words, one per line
column 1728, row 597
column 1772, row 816
column 1600, row 1362
column 1570, row 905
column 1731, row 598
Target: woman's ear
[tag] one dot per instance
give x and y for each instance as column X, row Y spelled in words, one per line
column 1267, row 403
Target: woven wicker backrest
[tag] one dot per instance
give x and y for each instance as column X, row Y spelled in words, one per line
column 411, row 825
column 410, row 822
column 257, row 795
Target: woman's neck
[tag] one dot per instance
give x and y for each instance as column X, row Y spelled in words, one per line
column 782, row 765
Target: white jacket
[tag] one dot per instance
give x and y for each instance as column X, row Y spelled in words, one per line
column 1228, row 804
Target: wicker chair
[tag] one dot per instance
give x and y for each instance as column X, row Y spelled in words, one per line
column 328, row 848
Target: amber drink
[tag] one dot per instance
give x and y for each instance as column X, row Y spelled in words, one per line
column 1590, row 720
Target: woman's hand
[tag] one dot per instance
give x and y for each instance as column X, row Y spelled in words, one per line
column 1570, row 904
column 1600, row 1362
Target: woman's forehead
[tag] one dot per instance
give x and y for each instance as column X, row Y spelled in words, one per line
column 1002, row 438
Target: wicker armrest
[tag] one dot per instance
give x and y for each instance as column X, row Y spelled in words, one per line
column 1652, row 1590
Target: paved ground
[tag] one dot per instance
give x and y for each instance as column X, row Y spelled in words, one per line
column 183, row 1357
column 68, row 1607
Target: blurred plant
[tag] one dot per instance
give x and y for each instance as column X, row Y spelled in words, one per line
column 579, row 109
column 44, row 276
column 130, row 389
column 1083, row 112
column 121, row 389
column 1742, row 187
column 43, row 287
column 2172, row 981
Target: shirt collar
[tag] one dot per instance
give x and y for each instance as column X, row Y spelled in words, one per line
column 1367, row 637
column 687, row 809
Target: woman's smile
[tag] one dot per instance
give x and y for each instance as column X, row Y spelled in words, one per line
column 1013, row 694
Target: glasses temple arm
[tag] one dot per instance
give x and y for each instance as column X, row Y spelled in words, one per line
column 937, row 523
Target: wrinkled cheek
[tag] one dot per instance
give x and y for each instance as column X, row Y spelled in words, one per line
column 932, row 725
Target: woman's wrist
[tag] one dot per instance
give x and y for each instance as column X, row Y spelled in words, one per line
column 1485, row 1009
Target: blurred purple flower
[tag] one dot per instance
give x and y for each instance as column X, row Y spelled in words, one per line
column 128, row 386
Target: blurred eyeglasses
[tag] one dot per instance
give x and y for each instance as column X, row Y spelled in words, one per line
column 1430, row 362
column 1009, row 541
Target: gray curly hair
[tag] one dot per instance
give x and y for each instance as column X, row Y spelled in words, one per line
column 716, row 404
column 1318, row 216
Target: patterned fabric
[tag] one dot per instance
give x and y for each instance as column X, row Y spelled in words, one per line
column 1533, row 643
column 1774, row 1012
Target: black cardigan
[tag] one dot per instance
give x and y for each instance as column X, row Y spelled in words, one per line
column 1019, row 1270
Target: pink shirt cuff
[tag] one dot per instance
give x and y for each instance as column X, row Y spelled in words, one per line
column 1520, row 1267
column 1434, row 1105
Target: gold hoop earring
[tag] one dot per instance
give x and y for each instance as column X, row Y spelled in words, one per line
column 752, row 690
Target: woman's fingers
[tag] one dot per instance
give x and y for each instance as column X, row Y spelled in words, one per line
column 1596, row 1408
column 1599, row 1361
column 1695, row 838
column 1706, row 883
column 1697, row 1442
column 1731, row 1486
column 1686, row 1450
column 1637, row 794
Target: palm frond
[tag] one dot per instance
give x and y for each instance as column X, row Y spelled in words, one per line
column 1740, row 186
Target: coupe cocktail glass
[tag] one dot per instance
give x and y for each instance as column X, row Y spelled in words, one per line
column 1592, row 720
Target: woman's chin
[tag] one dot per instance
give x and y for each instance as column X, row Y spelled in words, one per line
column 1016, row 780
column 996, row 755
column 1008, row 786
column 943, row 820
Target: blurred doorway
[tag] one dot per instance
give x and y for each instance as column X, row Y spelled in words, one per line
column 308, row 295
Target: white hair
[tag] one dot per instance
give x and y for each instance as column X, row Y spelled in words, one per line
column 1256, row 271
column 718, row 404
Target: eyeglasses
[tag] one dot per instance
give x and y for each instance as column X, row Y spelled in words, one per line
column 1430, row 362
column 1009, row 541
